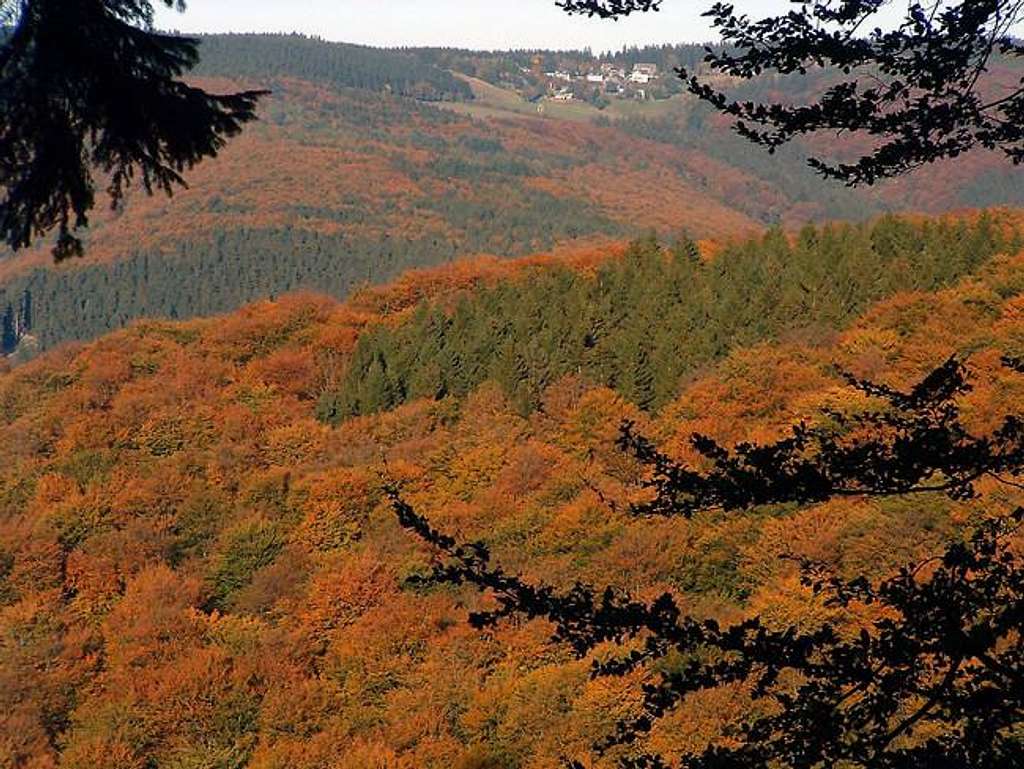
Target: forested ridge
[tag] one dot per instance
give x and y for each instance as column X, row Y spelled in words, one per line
column 198, row 277
column 352, row 177
column 197, row 571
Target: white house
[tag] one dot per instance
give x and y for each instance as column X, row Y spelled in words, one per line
column 643, row 73
column 611, row 72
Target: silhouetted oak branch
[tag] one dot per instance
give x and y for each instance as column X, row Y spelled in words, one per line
column 921, row 446
column 934, row 681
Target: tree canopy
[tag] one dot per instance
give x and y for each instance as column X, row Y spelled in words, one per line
column 193, row 572
column 916, row 90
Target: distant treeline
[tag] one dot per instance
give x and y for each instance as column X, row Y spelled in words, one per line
column 642, row 324
column 667, row 57
column 337, row 64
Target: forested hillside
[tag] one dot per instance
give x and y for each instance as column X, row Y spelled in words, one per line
column 196, row 571
column 368, row 162
column 336, row 64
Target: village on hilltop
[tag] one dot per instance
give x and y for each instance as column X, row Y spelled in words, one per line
column 606, row 79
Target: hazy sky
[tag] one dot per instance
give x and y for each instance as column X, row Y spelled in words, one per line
column 463, row 23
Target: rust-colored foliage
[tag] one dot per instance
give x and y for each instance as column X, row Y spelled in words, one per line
column 194, row 572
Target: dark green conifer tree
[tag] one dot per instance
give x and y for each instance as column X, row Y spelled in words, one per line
column 378, row 390
column 639, row 386
column 8, row 331
column 88, row 85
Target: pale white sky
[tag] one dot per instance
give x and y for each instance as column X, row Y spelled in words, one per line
column 480, row 24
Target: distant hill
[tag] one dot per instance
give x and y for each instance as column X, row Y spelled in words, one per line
column 368, row 162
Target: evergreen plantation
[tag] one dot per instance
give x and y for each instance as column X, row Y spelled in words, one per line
column 199, row 276
column 642, row 324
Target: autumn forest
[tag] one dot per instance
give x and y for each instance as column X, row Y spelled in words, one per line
column 392, row 441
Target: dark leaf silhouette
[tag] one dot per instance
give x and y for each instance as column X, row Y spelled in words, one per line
column 922, row 446
column 89, row 87
column 918, row 90
column 936, row 679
